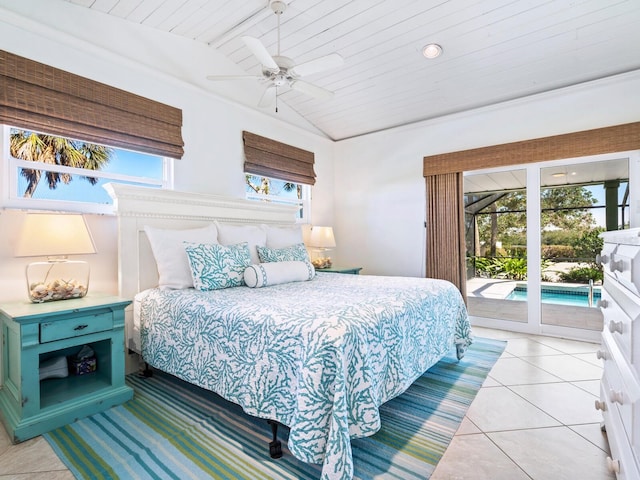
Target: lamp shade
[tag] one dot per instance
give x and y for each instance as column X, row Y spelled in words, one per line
column 322, row 237
column 54, row 234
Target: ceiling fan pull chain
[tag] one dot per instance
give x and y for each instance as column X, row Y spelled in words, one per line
column 276, row 99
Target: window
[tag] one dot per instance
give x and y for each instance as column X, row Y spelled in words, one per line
column 48, row 172
column 279, row 191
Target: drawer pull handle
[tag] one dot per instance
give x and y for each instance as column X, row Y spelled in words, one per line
column 613, row 465
column 602, row 303
column 601, row 405
column 615, row 327
column 616, row 397
column 81, row 327
column 600, row 259
column 602, row 355
column 616, row 265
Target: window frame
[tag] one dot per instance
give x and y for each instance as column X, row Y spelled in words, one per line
column 10, row 197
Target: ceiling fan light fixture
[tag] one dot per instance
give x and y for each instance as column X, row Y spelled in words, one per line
column 432, row 50
column 278, row 7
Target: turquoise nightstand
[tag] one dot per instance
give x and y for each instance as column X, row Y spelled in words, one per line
column 339, row 269
column 36, row 332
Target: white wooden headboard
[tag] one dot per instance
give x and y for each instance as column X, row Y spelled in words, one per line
column 140, row 206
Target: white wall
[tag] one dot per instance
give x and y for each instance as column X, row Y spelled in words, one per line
column 379, row 187
column 155, row 68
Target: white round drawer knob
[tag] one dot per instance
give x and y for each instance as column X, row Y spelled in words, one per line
column 601, row 405
column 600, row 259
column 602, row 303
column 616, row 396
column 613, row 465
column 615, row 327
column 602, row 355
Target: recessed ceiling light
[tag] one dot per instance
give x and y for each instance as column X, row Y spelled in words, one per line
column 432, row 50
column 558, row 175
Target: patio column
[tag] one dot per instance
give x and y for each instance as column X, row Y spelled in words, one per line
column 611, row 203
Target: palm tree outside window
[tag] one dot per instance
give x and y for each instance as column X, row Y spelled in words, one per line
column 279, row 191
column 56, row 173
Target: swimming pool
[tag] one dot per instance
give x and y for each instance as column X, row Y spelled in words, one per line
column 577, row 297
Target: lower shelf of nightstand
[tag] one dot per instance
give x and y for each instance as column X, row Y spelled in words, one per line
column 55, row 414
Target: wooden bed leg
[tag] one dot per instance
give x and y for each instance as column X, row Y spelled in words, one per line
column 275, row 447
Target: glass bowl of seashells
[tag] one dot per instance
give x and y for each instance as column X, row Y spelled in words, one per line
column 57, row 280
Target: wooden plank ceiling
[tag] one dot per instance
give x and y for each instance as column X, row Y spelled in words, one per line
column 493, row 50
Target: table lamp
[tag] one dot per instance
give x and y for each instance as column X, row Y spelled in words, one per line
column 55, row 236
column 321, row 240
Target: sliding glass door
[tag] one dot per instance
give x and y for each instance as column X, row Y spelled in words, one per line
column 579, row 201
column 496, row 243
column 532, row 237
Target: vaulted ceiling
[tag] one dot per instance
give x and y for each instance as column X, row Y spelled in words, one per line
column 493, row 50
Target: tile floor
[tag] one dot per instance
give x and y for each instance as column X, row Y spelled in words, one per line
column 534, row 418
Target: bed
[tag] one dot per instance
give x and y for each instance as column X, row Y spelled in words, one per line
column 319, row 356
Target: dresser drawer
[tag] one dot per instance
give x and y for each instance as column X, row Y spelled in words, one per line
column 624, row 263
column 616, row 322
column 76, row 326
column 616, row 396
column 621, row 312
column 622, row 460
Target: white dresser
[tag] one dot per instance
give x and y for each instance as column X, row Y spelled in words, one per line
column 620, row 386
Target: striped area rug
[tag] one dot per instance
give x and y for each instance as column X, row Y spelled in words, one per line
column 172, row 430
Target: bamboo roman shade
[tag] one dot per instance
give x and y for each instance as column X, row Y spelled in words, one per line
column 38, row 97
column 618, row 138
column 268, row 158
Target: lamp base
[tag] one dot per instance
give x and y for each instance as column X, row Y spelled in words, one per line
column 319, row 258
column 57, row 280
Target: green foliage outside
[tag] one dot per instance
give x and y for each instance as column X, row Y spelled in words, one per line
column 582, row 275
column 511, row 268
column 569, row 234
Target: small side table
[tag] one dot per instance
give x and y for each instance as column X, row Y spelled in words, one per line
column 36, row 332
column 340, row 269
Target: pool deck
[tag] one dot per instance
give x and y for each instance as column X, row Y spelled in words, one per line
column 501, row 289
column 486, row 298
column 490, row 287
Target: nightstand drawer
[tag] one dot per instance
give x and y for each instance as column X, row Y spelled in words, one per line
column 74, row 327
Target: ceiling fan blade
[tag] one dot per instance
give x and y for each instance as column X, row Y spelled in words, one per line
column 268, row 96
column 333, row 60
column 260, row 52
column 311, row 90
column 234, row 77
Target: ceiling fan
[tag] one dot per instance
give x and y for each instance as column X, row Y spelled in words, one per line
column 281, row 72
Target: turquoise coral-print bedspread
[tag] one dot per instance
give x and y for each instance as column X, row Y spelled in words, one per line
column 319, row 356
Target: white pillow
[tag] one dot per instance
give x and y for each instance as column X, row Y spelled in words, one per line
column 265, row 274
column 279, row 237
column 171, row 259
column 234, row 234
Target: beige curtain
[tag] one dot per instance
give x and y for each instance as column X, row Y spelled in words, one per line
column 268, row 158
column 445, row 229
column 44, row 99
